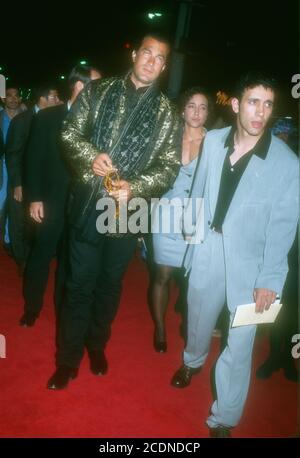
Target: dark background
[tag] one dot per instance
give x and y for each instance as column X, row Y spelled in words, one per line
column 42, row 42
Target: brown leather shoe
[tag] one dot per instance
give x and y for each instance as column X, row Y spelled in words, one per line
column 61, row 377
column 183, row 376
column 220, row 431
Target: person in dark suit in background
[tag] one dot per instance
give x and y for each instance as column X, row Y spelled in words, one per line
column 286, row 325
column 16, row 142
column 47, row 183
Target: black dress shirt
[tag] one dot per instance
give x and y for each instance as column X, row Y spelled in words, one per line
column 132, row 95
column 231, row 175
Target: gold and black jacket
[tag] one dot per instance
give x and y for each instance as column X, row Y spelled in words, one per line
column 143, row 140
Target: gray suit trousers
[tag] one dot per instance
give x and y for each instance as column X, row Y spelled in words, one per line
column 206, row 298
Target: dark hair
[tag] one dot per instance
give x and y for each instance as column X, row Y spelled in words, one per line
column 12, row 86
column 159, row 36
column 252, row 79
column 189, row 93
column 80, row 73
column 43, row 91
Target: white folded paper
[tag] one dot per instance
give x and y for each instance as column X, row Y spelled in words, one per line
column 245, row 314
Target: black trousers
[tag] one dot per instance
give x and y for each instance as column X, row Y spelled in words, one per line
column 44, row 247
column 18, row 228
column 93, row 291
column 286, row 324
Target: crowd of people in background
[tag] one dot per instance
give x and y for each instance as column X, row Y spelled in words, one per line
column 55, row 155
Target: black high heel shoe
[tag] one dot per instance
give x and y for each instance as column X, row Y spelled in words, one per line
column 159, row 345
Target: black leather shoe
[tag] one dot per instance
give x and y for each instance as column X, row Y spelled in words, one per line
column 61, row 377
column 291, row 372
column 98, row 362
column 220, row 432
column 267, row 369
column 183, row 376
column 27, row 320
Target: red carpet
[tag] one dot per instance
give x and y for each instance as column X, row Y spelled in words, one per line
column 135, row 398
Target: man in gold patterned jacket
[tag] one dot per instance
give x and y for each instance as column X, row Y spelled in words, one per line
column 117, row 123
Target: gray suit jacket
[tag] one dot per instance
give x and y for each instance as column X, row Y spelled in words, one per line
column 260, row 225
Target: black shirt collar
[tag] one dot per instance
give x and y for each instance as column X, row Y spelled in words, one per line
column 131, row 87
column 260, row 149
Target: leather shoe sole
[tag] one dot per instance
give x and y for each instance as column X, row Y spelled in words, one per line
column 182, row 377
column 61, row 377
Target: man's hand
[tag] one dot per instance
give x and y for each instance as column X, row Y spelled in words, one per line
column 36, row 211
column 18, row 193
column 122, row 192
column 263, row 299
column 102, row 164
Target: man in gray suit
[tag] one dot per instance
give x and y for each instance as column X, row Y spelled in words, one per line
column 249, row 182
